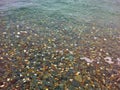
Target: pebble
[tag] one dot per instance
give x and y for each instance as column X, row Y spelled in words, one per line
column 118, row 61
column 87, row 59
column 108, row 60
column 4, row 33
column 75, row 83
column 41, row 53
column 78, row 78
column 2, row 84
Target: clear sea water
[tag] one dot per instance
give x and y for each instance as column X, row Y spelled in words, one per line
column 60, row 44
column 105, row 13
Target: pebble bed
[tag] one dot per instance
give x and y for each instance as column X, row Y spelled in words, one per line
column 59, row 56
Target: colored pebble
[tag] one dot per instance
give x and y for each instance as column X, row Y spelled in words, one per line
column 35, row 57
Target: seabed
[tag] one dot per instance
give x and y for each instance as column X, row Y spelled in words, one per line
column 58, row 55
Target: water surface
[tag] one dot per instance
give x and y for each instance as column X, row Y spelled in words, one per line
column 60, row 44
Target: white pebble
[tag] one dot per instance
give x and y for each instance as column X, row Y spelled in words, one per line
column 108, row 60
column 87, row 59
column 18, row 33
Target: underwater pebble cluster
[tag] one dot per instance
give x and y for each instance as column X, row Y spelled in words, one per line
column 37, row 57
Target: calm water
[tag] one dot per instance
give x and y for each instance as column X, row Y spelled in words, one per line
column 101, row 12
column 59, row 44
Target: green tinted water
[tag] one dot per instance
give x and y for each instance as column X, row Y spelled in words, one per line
column 59, row 45
column 103, row 12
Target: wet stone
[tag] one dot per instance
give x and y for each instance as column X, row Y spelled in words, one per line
column 78, row 78
column 70, row 72
column 60, row 87
column 75, row 83
column 64, row 78
column 48, row 83
column 70, row 57
column 2, row 71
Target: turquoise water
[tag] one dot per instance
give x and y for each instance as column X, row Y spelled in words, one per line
column 101, row 12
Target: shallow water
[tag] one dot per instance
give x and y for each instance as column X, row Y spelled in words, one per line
column 60, row 44
column 104, row 12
